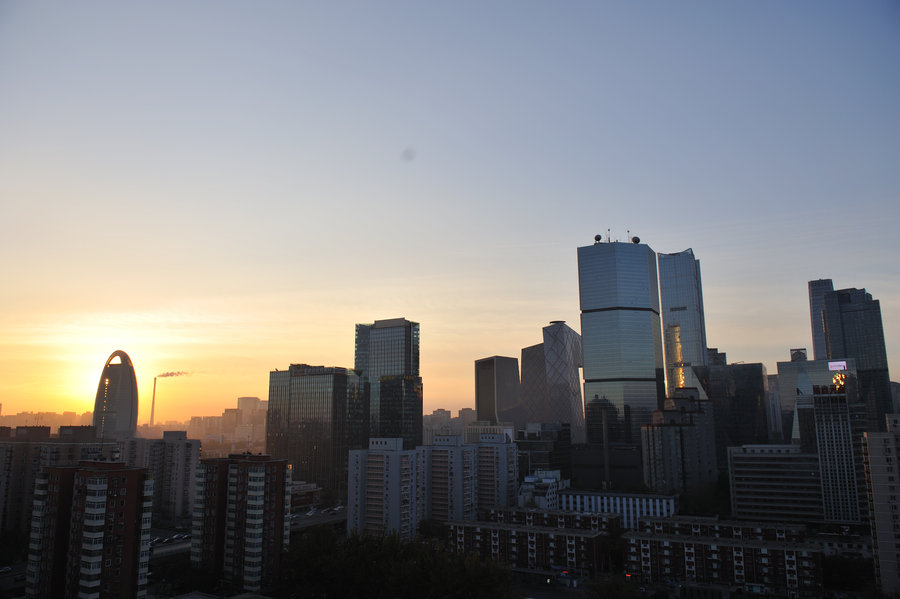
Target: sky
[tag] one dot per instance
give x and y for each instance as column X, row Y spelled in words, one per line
column 225, row 188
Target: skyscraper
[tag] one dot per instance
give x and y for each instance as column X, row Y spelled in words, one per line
column 401, row 409
column 853, row 329
column 387, row 348
column 551, row 383
column 684, row 325
column 497, row 391
column 620, row 329
column 316, row 415
column 116, row 405
column 817, row 291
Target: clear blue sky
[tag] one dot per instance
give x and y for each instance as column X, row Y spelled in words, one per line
column 227, row 187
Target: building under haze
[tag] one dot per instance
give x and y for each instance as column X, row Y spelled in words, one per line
column 621, row 332
column 384, row 350
column 683, row 320
column 316, row 415
column 172, row 463
column 116, row 405
column 27, row 453
column 551, row 381
column 497, row 391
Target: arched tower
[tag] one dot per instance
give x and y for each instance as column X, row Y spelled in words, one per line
column 116, row 406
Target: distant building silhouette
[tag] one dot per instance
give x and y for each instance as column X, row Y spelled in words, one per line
column 497, row 390
column 31, row 450
column 551, row 381
column 116, row 405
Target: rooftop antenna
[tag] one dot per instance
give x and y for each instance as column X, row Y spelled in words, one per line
column 608, row 237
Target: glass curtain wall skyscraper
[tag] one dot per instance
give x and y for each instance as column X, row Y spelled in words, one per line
column 621, row 332
column 384, row 350
column 684, row 325
column 316, row 415
column 817, row 291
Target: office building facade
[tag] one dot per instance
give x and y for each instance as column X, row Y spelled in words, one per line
column 316, row 415
column 853, row 329
column 242, row 519
column 683, row 320
column 775, row 483
column 678, row 447
column 386, row 348
column 621, row 332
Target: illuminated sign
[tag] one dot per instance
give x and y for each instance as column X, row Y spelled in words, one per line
column 833, row 366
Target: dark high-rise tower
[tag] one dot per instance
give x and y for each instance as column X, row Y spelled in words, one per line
column 387, row 348
column 817, row 291
column 853, row 329
column 116, row 405
column 497, row 391
column 316, row 416
column 620, row 330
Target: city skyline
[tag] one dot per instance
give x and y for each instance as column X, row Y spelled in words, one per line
column 235, row 199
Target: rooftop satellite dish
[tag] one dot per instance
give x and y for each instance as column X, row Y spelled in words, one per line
column 597, row 238
column 635, row 239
